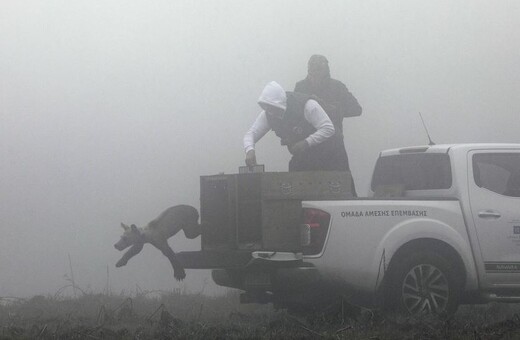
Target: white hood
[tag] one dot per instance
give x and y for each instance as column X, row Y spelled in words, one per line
column 273, row 94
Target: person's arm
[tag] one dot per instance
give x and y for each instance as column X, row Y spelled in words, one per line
column 259, row 128
column 318, row 118
column 347, row 105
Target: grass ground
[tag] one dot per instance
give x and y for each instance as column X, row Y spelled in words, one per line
column 173, row 315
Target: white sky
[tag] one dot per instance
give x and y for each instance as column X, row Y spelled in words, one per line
column 111, row 110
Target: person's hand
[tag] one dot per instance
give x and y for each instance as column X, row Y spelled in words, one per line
column 251, row 158
column 298, row 147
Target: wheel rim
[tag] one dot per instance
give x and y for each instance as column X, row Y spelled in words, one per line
column 425, row 290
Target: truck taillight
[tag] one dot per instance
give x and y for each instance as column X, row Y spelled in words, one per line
column 314, row 230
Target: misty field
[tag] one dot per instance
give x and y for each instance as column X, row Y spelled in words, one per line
column 165, row 315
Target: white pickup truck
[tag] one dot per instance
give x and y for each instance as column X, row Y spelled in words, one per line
column 441, row 227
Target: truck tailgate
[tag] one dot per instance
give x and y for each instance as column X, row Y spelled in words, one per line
column 214, row 259
column 220, row 259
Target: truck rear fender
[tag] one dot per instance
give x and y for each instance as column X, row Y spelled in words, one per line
column 424, row 233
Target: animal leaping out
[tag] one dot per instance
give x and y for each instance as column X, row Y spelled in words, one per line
column 157, row 232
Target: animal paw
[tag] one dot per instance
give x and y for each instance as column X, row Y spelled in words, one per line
column 121, row 263
column 179, row 274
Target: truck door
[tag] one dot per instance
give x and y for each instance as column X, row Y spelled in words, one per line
column 494, row 191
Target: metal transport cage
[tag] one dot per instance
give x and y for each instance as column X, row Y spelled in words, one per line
column 260, row 211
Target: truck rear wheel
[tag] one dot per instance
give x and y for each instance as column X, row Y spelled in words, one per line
column 423, row 283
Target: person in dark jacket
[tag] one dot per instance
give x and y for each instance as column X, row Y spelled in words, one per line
column 302, row 125
column 330, row 93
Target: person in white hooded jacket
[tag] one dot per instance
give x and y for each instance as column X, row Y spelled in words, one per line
column 302, row 125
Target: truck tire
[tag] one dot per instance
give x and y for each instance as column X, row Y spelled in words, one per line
column 422, row 283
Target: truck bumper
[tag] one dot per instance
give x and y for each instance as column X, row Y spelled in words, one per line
column 266, row 278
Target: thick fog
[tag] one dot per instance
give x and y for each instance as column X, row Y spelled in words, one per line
column 111, row 110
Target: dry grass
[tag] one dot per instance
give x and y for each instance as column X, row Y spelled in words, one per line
column 167, row 315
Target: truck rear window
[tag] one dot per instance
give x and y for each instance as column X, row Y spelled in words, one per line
column 415, row 171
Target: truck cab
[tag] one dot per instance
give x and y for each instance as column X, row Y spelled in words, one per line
column 485, row 179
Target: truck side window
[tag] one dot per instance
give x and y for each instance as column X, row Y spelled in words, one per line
column 415, row 171
column 498, row 172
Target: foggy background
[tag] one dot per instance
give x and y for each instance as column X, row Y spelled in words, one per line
column 111, row 110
